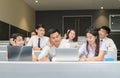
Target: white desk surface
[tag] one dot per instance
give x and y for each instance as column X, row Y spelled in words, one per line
column 60, row 69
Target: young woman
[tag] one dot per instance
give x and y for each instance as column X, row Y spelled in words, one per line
column 70, row 41
column 17, row 40
column 92, row 50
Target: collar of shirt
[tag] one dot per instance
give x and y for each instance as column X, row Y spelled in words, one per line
column 103, row 39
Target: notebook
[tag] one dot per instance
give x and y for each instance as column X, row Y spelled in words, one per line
column 66, row 55
column 19, row 53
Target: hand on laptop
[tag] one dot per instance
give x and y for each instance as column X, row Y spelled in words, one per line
column 44, row 59
column 34, row 58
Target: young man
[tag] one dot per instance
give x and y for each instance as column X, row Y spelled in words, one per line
column 103, row 33
column 54, row 41
column 38, row 41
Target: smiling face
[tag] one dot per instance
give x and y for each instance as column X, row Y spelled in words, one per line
column 19, row 41
column 40, row 31
column 90, row 38
column 71, row 35
column 102, row 33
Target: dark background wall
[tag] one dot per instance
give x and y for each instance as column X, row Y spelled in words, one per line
column 6, row 30
column 53, row 19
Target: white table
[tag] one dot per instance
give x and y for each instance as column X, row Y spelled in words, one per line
column 59, row 69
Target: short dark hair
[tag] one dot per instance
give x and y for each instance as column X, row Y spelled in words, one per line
column 39, row 26
column 15, row 35
column 33, row 31
column 51, row 31
column 105, row 28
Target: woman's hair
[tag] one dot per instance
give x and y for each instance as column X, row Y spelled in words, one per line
column 94, row 32
column 16, row 35
column 76, row 36
column 12, row 37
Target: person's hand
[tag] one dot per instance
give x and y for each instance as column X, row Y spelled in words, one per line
column 34, row 57
column 37, row 48
column 44, row 59
column 82, row 59
column 49, row 43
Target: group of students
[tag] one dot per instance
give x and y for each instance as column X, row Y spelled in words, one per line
column 96, row 46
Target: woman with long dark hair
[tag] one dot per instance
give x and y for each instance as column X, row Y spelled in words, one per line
column 70, row 41
column 92, row 50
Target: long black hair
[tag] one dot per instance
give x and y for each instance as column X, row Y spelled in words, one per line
column 94, row 32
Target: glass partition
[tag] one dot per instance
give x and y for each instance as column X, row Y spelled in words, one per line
column 114, row 23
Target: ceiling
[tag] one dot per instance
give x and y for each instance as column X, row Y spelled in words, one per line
column 73, row 4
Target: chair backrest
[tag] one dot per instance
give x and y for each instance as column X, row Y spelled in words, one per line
column 3, row 55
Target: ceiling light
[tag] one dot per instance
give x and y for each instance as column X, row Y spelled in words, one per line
column 101, row 7
column 36, row 1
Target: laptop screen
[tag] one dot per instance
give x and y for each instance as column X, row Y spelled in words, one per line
column 66, row 54
column 19, row 53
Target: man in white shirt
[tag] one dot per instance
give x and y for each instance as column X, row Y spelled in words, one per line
column 48, row 52
column 34, row 40
column 103, row 33
column 38, row 41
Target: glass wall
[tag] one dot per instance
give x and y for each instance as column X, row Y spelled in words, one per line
column 6, row 30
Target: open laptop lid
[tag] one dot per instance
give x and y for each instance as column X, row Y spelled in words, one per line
column 19, row 53
column 66, row 55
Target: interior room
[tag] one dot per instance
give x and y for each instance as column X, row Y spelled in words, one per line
column 23, row 16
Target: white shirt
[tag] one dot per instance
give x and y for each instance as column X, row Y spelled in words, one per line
column 48, row 52
column 34, row 41
column 109, row 43
column 83, row 51
column 65, row 43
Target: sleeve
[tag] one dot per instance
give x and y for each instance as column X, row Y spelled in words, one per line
column 112, row 45
column 44, row 52
column 103, row 47
column 30, row 42
column 64, row 44
column 82, row 49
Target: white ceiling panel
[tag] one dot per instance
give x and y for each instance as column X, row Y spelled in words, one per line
column 73, row 4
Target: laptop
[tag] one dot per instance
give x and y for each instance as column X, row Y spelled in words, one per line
column 19, row 53
column 66, row 55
